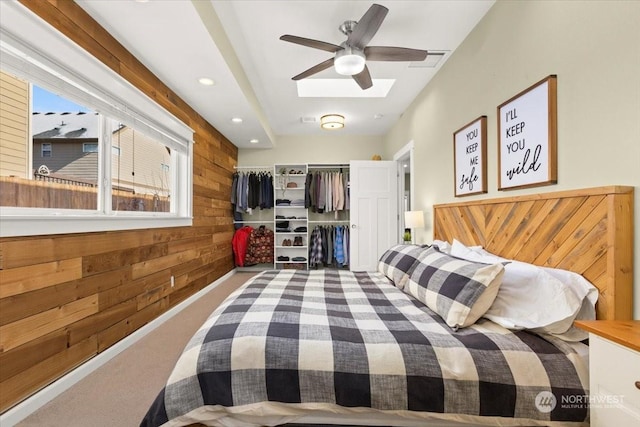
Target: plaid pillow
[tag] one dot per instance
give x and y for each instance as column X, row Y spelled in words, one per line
column 460, row 291
column 397, row 261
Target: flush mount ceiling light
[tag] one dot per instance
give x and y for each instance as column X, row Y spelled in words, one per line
column 332, row 121
column 349, row 61
column 206, row 81
column 254, row 141
column 236, row 120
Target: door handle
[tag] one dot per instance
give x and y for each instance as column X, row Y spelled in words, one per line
column 353, row 226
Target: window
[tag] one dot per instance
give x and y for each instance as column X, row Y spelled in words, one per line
column 138, row 183
column 144, row 183
column 46, row 149
column 90, row 147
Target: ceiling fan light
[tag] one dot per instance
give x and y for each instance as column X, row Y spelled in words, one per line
column 349, row 61
column 332, row 121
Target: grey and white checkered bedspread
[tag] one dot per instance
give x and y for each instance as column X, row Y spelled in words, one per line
column 355, row 340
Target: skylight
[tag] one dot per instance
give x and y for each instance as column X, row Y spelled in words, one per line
column 342, row 88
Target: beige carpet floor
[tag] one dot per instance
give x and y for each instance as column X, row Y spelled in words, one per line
column 119, row 393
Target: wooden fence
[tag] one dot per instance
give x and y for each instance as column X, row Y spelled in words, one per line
column 26, row 193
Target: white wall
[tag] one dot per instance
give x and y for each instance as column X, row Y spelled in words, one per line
column 330, row 148
column 594, row 49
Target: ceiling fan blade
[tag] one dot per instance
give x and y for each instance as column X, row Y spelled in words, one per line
column 367, row 26
column 316, row 44
column 315, row 69
column 390, row 53
column 363, row 78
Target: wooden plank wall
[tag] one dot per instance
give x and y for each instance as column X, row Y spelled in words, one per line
column 66, row 298
column 588, row 231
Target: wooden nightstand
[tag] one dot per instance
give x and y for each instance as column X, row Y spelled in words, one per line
column 614, row 372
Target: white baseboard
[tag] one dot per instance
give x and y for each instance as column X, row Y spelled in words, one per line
column 50, row 392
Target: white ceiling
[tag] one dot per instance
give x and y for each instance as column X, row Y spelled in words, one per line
column 236, row 43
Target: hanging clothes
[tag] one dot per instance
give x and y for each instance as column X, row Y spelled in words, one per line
column 326, row 191
column 308, row 198
column 339, row 247
column 315, row 247
column 329, row 246
column 250, row 190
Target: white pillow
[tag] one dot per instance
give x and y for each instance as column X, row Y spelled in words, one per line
column 442, row 246
column 541, row 299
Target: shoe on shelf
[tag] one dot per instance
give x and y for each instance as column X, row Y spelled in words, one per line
column 286, row 242
column 283, row 258
column 297, row 241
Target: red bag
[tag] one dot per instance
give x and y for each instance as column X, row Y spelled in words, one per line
column 239, row 242
column 260, row 247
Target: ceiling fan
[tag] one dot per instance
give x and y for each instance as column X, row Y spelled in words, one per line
column 351, row 55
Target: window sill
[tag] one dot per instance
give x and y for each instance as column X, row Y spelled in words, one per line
column 45, row 225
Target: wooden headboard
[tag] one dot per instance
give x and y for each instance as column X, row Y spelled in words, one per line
column 588, row 231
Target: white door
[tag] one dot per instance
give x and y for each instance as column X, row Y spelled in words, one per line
column 374, row 212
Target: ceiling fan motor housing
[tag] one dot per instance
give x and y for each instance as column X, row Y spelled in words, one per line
column 347, row 27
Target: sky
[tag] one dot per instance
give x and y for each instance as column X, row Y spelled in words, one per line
column 45, row 102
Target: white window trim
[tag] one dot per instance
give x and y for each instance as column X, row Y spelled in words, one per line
column 94, row 85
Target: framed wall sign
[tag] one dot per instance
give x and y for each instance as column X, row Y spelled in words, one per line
column 527, row 137
column 470, row 158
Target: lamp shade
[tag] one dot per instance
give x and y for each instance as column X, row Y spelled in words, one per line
column 349, row 61
column 332, row 121
column 414, row 219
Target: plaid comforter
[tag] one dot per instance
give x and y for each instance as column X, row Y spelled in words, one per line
column 350, row 339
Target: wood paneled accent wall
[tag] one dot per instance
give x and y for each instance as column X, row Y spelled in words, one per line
column 588, row 231
column 66, row 298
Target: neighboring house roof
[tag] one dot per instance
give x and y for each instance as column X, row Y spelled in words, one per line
column 65, row 125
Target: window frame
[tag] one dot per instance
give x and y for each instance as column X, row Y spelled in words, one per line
column 94, row 85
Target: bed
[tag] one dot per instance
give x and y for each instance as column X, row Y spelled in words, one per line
column 376, row 348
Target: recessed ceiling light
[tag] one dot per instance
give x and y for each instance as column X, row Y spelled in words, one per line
column 405, row 165
column 236, row 120
column 254, row 141
column 378, row 116
column 206, row 81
